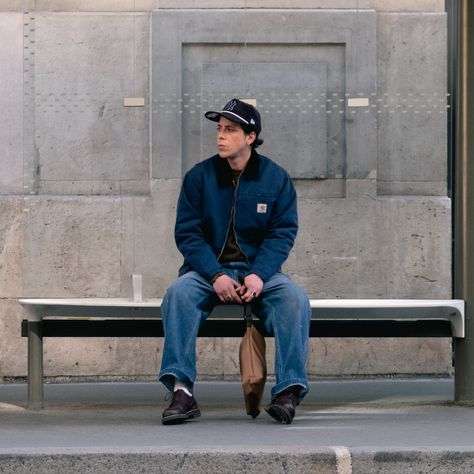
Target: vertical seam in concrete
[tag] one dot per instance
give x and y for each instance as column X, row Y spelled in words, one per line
column 343, row 459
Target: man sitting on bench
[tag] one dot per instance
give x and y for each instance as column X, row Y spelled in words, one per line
column 236, row 224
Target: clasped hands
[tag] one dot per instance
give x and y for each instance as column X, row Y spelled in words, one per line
column 230, row 291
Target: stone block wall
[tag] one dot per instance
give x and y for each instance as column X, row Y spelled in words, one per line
column 89, row 187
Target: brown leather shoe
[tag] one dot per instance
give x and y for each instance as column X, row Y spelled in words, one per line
column 282, row 408
column 182, row 407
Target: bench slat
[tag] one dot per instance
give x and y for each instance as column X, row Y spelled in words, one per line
column 235, row 328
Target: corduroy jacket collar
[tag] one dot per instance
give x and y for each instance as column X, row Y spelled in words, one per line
column 224, row 171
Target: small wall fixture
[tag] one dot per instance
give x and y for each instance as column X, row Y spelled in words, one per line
column 359, row 102
column 134, row 102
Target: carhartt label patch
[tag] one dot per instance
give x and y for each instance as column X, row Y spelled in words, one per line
column 261, row 208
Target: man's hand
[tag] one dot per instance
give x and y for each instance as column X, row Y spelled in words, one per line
column 227, row 289
column 251, row 288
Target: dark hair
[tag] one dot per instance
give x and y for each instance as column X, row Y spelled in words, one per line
column 257, row 142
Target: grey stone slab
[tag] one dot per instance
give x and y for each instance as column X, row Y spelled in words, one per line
column 336, row 357
column 14, row 348
column 147, row 5
column 11, row 118
column 97, row 356
column 412, row 81
column 72, row 247
column 11, row 247
column 369, row 247
column 174, row 31
column 412, row 188
column 408, row 5
column 148, row 239
column 94, row 5
column 85, row 65
column 321, row 462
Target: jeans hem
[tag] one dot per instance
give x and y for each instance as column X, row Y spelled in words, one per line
column 277, row 389
column 166, row 375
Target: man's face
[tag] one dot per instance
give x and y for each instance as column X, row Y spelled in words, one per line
column 232, row 142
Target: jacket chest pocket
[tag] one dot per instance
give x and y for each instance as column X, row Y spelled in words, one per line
column 254, row 211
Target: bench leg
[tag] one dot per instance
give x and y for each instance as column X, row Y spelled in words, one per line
column 35, row 365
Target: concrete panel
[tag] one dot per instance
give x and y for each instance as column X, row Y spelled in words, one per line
column 85, row 65
column 14, row 348
column 148, row 239
column 412, row 81
column 107, row 357
column 407, row 5
column 387, row 356
column 72, row 247
column 379, row 5
column 374, row 248
column 11, row 99
column 11, row 247
column 176, row 31
column 147, row 5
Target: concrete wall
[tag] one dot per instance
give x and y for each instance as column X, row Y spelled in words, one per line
column 89, row 187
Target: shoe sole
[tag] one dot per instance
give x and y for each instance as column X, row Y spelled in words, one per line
column 177, row 419
column 280, row 414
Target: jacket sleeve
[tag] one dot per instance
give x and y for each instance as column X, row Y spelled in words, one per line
column 282, row 229
column 189, row 235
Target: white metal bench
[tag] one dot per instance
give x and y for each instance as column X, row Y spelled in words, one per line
column 122, row 317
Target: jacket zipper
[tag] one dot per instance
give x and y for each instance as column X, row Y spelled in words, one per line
column 228, row 227
column 235, row 214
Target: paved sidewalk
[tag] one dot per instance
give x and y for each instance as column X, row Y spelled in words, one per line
column 343, row 426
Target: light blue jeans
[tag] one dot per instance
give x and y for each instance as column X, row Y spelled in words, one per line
column 282, row 306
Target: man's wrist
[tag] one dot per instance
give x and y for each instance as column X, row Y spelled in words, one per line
column 216, row 276
column 254, row 273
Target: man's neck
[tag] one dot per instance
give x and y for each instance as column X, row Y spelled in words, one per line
column 238, row 163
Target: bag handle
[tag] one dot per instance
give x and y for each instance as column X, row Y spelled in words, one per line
column 248, row 315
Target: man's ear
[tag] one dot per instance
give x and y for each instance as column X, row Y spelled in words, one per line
column 251, row 137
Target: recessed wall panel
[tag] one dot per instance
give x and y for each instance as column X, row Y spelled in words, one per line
column 201, row 59
column 283, row 93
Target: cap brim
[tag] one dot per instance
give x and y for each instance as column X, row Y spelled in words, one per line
column 215, row 116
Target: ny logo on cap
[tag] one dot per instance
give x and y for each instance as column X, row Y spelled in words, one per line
column 230, row 105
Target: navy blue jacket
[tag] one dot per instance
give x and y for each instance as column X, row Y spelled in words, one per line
column 266, row 218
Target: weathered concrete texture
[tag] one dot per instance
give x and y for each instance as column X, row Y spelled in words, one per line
column 374, row 248
column 363, row 356
column 422, row 461
column 412, row 134
column 147, row 5
column 85, row 65
column 321, row 461
column 11, row 247
column 148, row 239
column 13, row 358
column 88, row 357
column 11, row 118
column 72, row 247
